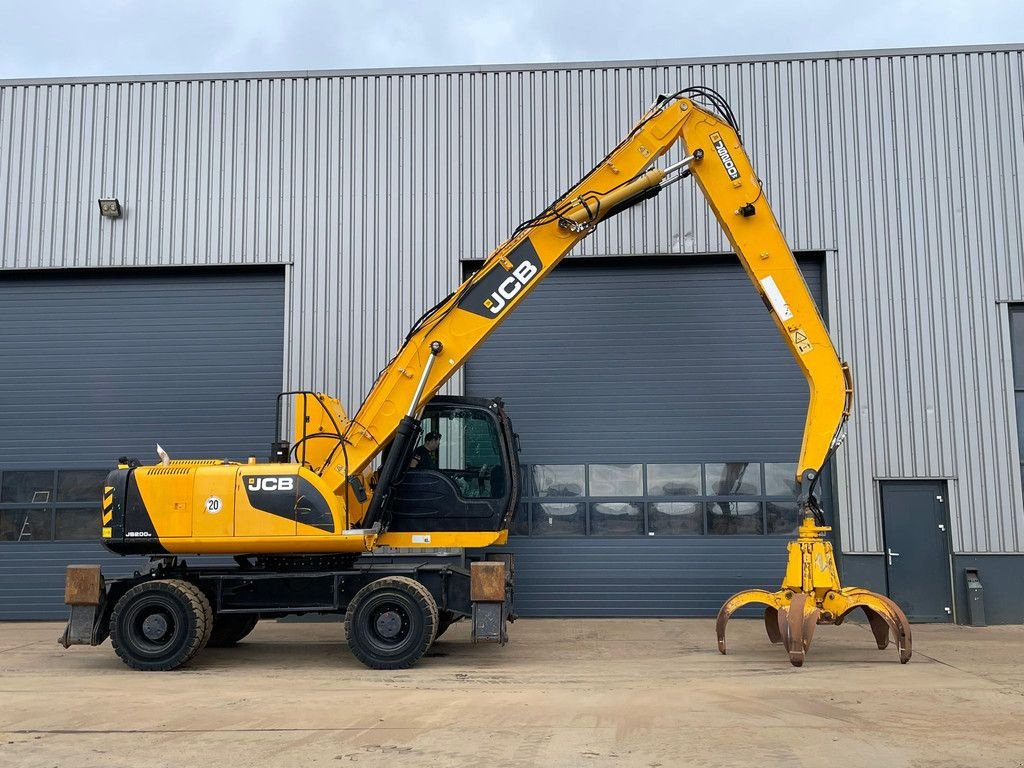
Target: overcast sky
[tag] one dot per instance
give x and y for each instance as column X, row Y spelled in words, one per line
column 127, row 37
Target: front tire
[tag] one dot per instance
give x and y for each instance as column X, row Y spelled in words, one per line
column 160, row 625
column 391, row 622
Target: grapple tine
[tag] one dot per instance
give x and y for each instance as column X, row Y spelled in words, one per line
column 903, row 641
column 879, row 627
column 782, row 616
column 771, row 625
column 794, row 630
column 888, row 611
column 736, row 602
column 810, row 622
column 720, row 623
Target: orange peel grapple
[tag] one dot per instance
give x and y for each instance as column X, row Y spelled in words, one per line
column 810, row 595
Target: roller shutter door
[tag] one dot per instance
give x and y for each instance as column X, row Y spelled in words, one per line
column 660, row 415
column 100, row 365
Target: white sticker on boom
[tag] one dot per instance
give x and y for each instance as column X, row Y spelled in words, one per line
column 771, row 290
column 421, row 539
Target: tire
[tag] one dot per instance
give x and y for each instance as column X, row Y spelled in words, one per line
column 391, row 622
column 229, row 628
column 445, row 620
column 160, row 625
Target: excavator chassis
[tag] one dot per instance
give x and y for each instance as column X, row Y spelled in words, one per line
column 811, row 595
column 394, row 607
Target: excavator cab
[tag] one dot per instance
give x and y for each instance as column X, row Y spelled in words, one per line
column 470, row 481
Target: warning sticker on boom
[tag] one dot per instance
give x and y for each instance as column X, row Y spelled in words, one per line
column 800, row 341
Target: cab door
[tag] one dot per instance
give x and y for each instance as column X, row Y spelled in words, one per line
column 472, row 487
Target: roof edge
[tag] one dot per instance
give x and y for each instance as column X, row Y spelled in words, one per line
column 527, row 67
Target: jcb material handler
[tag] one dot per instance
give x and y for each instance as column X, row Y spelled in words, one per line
column 343, row 486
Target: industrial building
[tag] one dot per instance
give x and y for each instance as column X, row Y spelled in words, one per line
column 177, row 250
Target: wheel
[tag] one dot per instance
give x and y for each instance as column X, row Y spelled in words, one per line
column 160, row 625
column 229, row 628
column 445, row 619
column 391, row 622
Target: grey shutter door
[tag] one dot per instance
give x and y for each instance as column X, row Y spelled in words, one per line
column 645, row 361
column 99, row 365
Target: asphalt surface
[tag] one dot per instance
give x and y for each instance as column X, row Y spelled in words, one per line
column 562, row 693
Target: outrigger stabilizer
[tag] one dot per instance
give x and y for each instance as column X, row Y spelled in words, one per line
column 811, row 594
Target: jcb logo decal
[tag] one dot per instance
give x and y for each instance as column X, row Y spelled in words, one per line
column 270, row 483
column 510, row 286
column 492, row 291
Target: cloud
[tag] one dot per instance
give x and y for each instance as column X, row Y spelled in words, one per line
column 59, row 39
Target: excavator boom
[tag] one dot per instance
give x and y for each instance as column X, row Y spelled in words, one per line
column 443, row 340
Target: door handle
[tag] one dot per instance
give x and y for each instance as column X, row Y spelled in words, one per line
column 891, row 554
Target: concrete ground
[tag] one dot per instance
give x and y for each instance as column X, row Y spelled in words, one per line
column 562, row 693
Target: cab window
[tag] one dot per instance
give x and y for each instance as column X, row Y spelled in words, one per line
column 469, row 451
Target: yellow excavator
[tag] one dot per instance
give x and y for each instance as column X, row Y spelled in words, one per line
column 346, row 485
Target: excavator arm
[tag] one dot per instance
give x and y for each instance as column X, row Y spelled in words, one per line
column 444, row 338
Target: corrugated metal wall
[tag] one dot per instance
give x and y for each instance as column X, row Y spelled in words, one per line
column 904, row 166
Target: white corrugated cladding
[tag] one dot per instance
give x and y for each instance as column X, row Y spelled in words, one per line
column 904, row 166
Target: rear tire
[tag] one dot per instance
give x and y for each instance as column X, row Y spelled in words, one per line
column 391, row 622
column 160, row 625
column 230, row 628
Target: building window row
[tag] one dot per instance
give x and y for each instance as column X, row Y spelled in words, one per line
column 48, row 505
column 695, row 499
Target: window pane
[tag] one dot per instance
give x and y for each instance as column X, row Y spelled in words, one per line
column 77, row 524
column 676, row 517
column 26, row 524
column 81, row 484
column 734, row 479
column 33, row 486
column 467, row 451
column 729, row 517
column 783, row 516
column 558, row 479
column 780, row 480
column 481, row 438
column 616, row 519
column 559, row 519
column 673, row 480
column 520, row 525
column 616, row 480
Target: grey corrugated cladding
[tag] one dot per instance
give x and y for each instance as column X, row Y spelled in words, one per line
column 904, row 166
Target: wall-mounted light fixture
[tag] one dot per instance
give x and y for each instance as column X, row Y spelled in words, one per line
column 110, row 207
